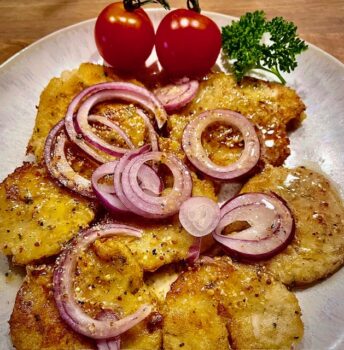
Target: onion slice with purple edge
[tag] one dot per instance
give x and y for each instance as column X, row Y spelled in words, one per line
column 199, row 216
column 117, row 179
column 58, row 165
column 107, row 122
column 108, row 344
column 83, row 102
column 64, row 271
column 106, row 194
column 271, row 226
column 192, row 144
column 150, row 182
column 152, row 206
column 194, row 251
column 176, row 96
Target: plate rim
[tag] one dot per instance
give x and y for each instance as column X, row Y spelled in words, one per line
column 23, row 51
column 20, row 56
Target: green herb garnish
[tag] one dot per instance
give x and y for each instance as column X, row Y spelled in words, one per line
column 243, row 41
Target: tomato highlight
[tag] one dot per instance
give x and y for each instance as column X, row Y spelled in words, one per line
column 187, row 43
column 125, row 39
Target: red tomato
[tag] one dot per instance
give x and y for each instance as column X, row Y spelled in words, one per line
column 187, row 43
column 124, row 39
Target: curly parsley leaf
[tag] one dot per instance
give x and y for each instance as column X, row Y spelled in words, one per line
column 243, row 42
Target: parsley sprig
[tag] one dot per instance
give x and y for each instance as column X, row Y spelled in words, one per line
column 243, row 42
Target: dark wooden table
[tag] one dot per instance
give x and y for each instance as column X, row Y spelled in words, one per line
column 22, row 22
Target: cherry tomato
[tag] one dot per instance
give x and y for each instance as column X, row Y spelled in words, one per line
column 187, row 43
column 124, row 38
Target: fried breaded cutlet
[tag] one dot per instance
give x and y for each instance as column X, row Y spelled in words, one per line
column 166, row 241
column 318, row 247
column 37, row 216
column 58, row 94
column 272, row 107
column 161, row 243
column 219, row 304
column 107, row 278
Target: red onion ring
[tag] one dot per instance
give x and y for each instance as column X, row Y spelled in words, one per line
column 58, row 166
column 108, row 344
column 101, row 92
column 199, row 216
column 194, row 251
column 175, row 96
column 151, row 132
column 107, row 122
column 192, row 144
column 104, row 194
column 117, row 178
column 68, row 308
column 272, row 226
column 149, row 182
column 152, row 206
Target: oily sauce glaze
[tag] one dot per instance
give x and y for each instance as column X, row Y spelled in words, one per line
column 318, row 247
column 242, row 303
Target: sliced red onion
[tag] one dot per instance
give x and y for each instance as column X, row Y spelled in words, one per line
column 153, row 206
column 194, row 251
column 107, row 197
column 199, row 216
column 107, row 122
column 149, row 182
column 78, row 128
column 123, row 162
column 108, row 344
column 192, row 144
column 151, row 132
column 176, row 96
column 68, row 308
column 58, row 165
column 271, row 226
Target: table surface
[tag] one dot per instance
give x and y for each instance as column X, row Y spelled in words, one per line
column 320, row 22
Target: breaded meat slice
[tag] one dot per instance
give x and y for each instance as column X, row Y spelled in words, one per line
column 37, row 216
column 58, row 94
column 219, row 304
column 35, row 321
column 167, row 242
column 272, row 107
column 106, row 279
column 163, row 241
column 318, row 247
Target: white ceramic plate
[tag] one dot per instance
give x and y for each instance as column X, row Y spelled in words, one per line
column 319, row 80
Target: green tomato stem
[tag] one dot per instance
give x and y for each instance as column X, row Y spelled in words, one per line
column 131, row 5
column 193, row 5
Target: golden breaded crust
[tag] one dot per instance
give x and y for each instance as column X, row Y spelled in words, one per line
column 192, row 321
column 259, row 312
column 270, row 106
column 35, row 322
column 55, row 99
column 37, row 216
column 318, row 247
column 162, row 242
column 58, row 94
column 108, row 277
